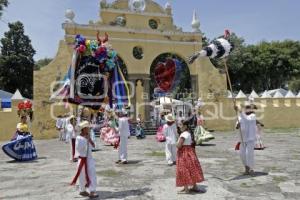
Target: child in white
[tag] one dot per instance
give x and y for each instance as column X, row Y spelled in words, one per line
column 170, row 132
column 72, row 132
column 247, row 124
column 84, row 146
column 59, row 127
column 124, row 134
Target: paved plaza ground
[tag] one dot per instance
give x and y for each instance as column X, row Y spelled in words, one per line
column 148, row 177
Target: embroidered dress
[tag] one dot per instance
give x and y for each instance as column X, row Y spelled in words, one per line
column 188, row 168
column 202, row 135
column 109, row 133
column 160, row 137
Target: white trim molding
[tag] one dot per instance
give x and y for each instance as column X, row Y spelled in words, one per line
column 103, row 27
column 143, row 40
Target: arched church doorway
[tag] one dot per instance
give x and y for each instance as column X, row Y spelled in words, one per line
column 184, row 85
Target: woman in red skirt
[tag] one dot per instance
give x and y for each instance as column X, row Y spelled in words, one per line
column 188, row 168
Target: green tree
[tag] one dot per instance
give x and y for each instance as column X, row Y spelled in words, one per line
column 16, row 61
column 205, row 40
column 42, row 63
column 294, row 85
column 3, row 4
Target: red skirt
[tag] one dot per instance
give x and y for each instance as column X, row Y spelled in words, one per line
column 188, row 168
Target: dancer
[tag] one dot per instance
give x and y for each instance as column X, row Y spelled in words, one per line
column 21, row 147
column 201, row 135
column 109, row 132
column 124, row 133
column 64, row 128
column 59, row 126
column 259, row 130
column 72, row 131
column 247, row 125
column 170, row 133
column 22, row 128
column 86, row 169
column 139, row 131
column 188, row 169
column 159, row 133
column 180, row 118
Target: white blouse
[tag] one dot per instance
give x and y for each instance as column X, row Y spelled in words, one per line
column 170, row 132
column 187, row 138
column 83, row 147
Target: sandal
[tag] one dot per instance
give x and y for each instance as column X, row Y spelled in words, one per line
column 184, row 191
column 246, row 173
column 196, row 190
column 84, row 194
column 118, row 162
column 93, row 195
column 251, row 173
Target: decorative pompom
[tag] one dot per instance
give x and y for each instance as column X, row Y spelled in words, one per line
column 81, row 48
column 21, row 105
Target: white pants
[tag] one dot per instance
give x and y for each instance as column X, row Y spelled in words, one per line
column 92, row 176
column 68, row 137
column 247, row 153
column 171, row 153
column 64, row 135
column 123, row 148
column 93, row 138
column 60, row 132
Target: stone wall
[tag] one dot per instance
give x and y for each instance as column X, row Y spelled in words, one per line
column 272, row 112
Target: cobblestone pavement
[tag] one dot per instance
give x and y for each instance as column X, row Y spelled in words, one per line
column 148, row 177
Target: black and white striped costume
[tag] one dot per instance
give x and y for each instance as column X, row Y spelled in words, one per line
column 219, row 48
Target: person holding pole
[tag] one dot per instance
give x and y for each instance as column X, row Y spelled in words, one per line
column 247, row 125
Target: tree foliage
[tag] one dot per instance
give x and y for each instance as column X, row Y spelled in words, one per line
column 42, row 63
column 294, row 85
column 16, row 61
column 3, row 4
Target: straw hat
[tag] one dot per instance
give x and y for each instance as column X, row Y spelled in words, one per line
column 84, row 124
column 170, row 118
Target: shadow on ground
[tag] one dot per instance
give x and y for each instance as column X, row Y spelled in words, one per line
column 122, row 194
column 202, row 188
column 207, row 145
column 24, row 162
column 256, row 174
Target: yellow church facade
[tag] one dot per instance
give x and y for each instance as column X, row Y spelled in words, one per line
column 140, row 31
column 151, row 31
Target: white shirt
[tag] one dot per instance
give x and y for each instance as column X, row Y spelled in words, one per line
column 71, row 131
column 187, row 138
column 83, row 147
column 59, row 123
column 248, row 126
column 124, row 127
column 170, row 133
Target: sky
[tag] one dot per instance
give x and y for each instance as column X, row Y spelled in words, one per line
column 254, row 20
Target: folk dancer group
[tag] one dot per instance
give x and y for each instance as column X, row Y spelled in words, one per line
column 180, row 144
